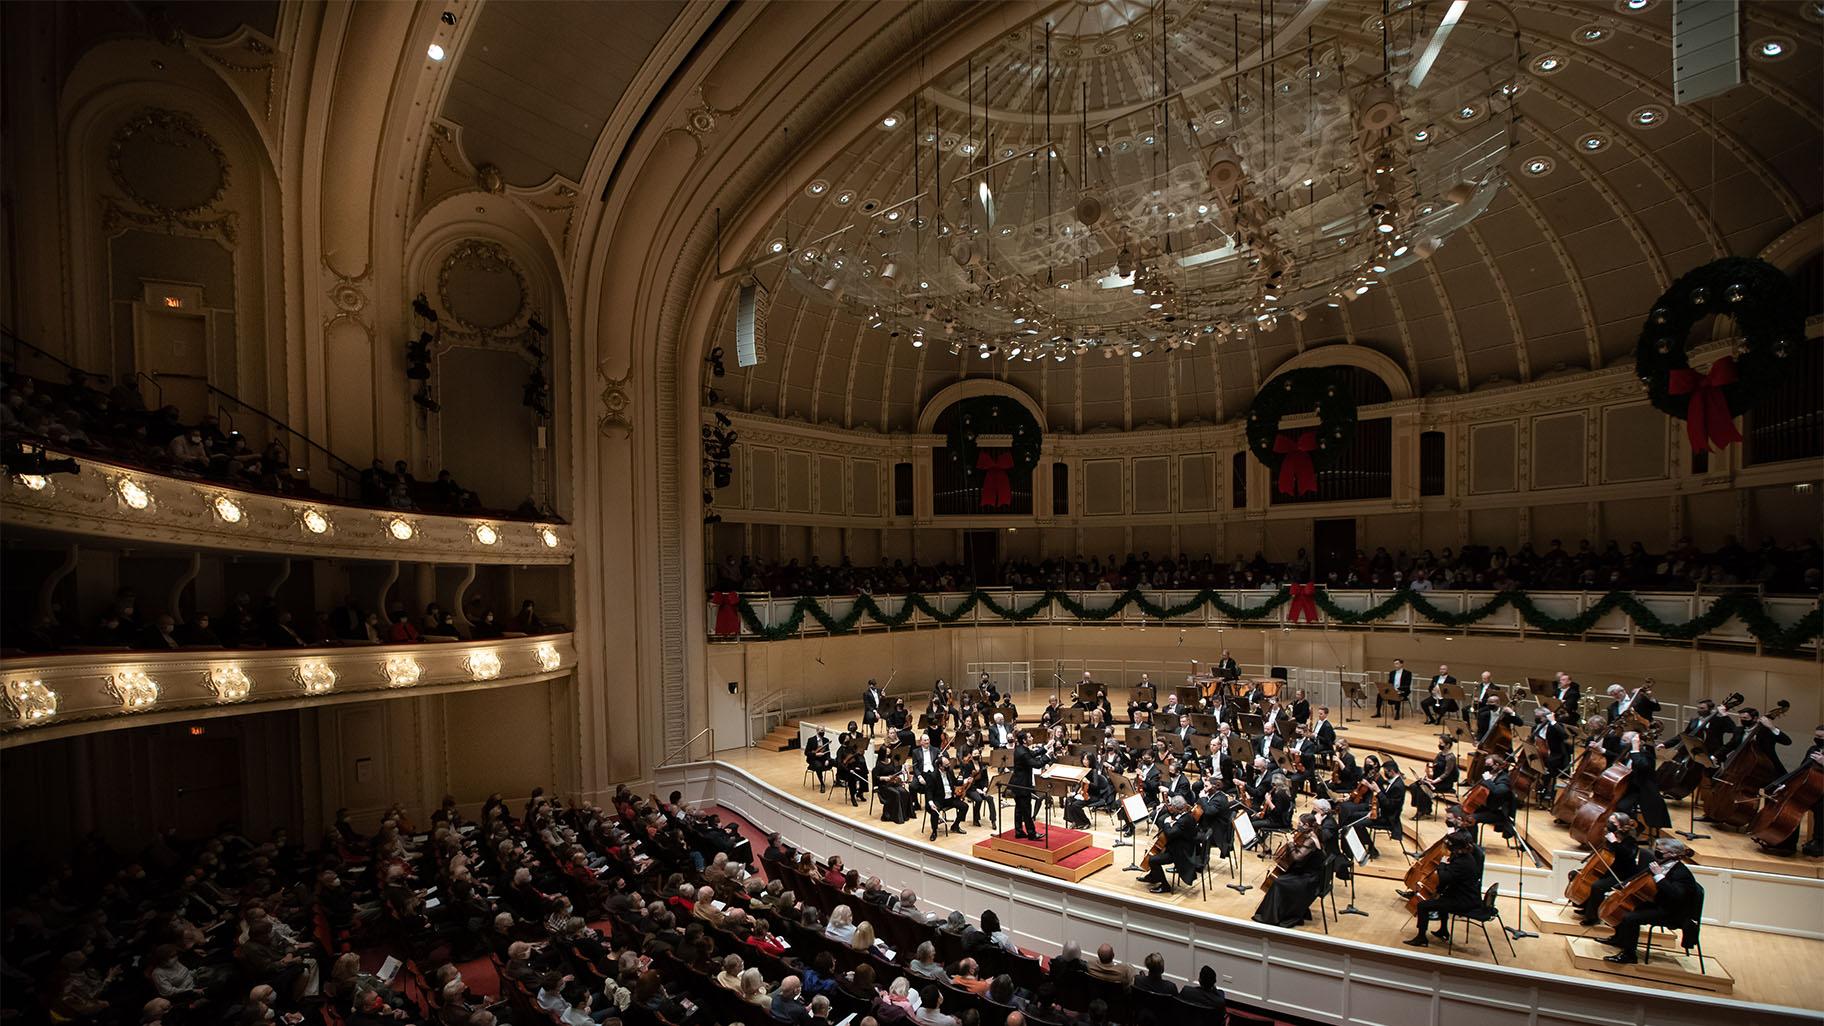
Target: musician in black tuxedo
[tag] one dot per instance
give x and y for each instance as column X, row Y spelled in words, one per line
column 1459, row 888
column 817, row 757
column 1498, row 810
column 925, row 757
column 943, row 793
column 1619, row 836
column 1400, row 679
column 870, row 705
column 987, row 685
column 1392, row 788
column 1642, row 797
column 1557, row 743
column 1218, row 824
column 1000, row 735
column 1301, row 707
column 1678, row 902
column 1226, row 667
column 1180, row 832
column 1569, row 695
column 1440, row 777
column 1324, row 731
column 1096, row 792
column 1809, row 762
column 1026, row 759
column 975, row 791
column 1305, row 746
column 1715, row 728
column 1436, row 705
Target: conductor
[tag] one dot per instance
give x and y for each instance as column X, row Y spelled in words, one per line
column 1026, row 758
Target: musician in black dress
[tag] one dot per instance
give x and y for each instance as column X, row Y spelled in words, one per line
column 899, row 717
column 1498, row 810
column 870, row 705
column 1026, row 759
column 1619, row 835
column 1459, row 888
column 890, row 787
column 1288, row 902
column 852, row 767
column 817, row 757
column 1642, row 797
column 1677, row 902
column 1440, row 777
column 987, row 686
column 1179, row 830
column 1096, row 792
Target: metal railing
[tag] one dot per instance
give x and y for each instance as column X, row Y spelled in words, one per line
column 686, row 746
column 344, row 477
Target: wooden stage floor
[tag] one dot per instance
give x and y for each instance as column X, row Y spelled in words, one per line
column 1768, row 968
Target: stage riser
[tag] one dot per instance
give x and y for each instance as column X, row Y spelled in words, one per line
column 1792, row 905
column 1667, row 967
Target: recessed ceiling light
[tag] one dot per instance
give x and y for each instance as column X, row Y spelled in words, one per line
column 1593, row 142
column 967, row 147
column 1421, row 135
column 1650, row 116
column 891, row 120
column 1006, row 151
column 843, row 198
column 1537, row 167
column 1468, row 111
column 1547, row 64
column 776, row 246
column 817, row 188
column 1772, row 49
column 892, row 215
column 1589, row 35
column 1633, row 6
column 434, row 52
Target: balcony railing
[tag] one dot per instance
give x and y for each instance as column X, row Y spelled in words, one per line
column 54, row 696
column 113, row 501
column 1614, row 625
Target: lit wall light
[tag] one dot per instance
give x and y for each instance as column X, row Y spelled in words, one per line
column 485, row 534
column 30, row 700
column 315, row 522
column 402, row 671
column 434, row 52
column 400, row 528
column 227, row 510
column 230, row 683
column 133, row 493
column 133, row 689
column 315, row 677
column 34, row 482
column 483, row 664
column 548, row 536
column 548, row 657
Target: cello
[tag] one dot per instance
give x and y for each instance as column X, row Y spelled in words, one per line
column 1590, row 765
column 1784, row 811
column 1284, row 857
column 1605, row 794
column 1730, row 801
column 1422, row 876
column 1680, row 776
column 1159, row 839
column 1640, row 889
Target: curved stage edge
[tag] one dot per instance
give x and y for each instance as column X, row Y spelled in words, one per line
column 1296, row 972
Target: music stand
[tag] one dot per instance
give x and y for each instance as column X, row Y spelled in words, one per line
column 1698, row 751
column 1073, row 717
column 1354, row 695
column 1201, row 744
column 1358, row 855
column 1138, row 737
column 1204, row 723
column 1165, row 721
column 1389, row 697
column 1453, row 693
column 1091, row 736
column 1133, row 810
column 1086, row 690
column 1245, row 837
column 1250, row 724
column 1054, row 788
column 1146, row 693
column 1173, row 744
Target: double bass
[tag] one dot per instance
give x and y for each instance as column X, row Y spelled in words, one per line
column 1732, row 796
column 1785, row 809
column 1682, row 774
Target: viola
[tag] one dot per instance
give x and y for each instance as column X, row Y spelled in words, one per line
column 1785, row 809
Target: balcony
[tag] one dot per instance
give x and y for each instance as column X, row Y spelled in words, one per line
column 62, row 695
column 128, row 504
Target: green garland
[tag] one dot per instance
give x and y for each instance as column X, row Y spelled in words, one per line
column 1743, row 605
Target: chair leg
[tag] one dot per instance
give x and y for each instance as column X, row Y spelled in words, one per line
column 1490, row 941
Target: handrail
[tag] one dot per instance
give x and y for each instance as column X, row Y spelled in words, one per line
column 685, row 747
column 17, row 341
column 151, row 379
column 352, row 471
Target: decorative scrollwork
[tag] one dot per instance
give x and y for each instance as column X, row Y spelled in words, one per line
column 175, row 131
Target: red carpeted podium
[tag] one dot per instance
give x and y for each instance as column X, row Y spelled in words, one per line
column 1070, row 855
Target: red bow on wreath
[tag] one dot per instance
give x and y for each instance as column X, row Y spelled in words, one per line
column 728, row 612
column 1297, row 475
column 1707, row 419
column 1304, row 602
column 997, row 490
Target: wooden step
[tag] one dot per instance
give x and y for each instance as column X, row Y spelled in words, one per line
column 782, row 738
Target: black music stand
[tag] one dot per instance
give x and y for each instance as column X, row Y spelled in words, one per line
column 1697, row 750
column 1354, row 696
column 1139, row 738
column 1146, row 693
column 1053, row 788
column 1000, row 760
column 1346, row 834
column 1389, row 696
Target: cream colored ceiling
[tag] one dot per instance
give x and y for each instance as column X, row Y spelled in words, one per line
column 536, row 82
column 1553, row 278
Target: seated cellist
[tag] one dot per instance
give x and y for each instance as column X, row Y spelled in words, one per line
column 1677, row 902
column 1620, row 839
column 1498, row 810
column 1459, row 889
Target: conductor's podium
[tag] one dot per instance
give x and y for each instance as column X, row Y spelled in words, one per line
column 1069, row 855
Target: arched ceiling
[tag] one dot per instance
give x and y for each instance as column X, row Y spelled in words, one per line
column 1552, row 278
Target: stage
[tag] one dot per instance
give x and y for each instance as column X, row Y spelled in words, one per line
column 1758, row 961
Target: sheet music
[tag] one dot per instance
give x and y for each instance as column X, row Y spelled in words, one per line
column 1356, row 847
column 1244, row 830
column 1134, row 807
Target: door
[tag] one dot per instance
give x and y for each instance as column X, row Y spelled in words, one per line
column 206, row 777
column 981, row 550
column 1334, row 541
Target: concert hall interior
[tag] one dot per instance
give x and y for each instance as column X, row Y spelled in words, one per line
column 927, row 512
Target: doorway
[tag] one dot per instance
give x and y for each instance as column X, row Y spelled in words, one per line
column 206, row 779
column 981, row 550
column 1334, row 545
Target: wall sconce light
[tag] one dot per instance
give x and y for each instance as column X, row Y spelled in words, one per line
column 548, row 536
column 548, row 657
column 401, row 529
column 227, row 510
column 483, row 664
column 30, row 700
column 133, row 493
column 230, row 683
column 34, row 482
column 402, row 671
column 315, row 677
column 485, row 534
column 133, row 689
column 315, row 522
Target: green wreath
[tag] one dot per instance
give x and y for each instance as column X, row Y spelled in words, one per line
column 1767, row 314
column 1295, row 455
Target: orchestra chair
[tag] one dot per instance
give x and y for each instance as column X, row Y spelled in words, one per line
column 1481, row 917
column 1691, row 926
column 1326, row 891
column 1395, row 833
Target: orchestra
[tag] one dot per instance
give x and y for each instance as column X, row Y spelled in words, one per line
column 1222, row 746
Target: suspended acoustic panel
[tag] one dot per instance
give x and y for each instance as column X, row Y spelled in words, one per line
column 1706, row 48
